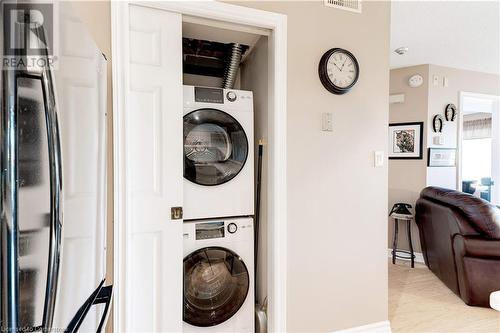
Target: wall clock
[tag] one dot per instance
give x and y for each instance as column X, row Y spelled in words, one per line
column 338, row 70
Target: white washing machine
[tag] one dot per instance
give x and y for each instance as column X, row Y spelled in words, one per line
column 219, row 276
column 218, row 153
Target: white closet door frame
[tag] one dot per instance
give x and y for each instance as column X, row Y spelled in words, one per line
column 461, row 96
column 277, row 202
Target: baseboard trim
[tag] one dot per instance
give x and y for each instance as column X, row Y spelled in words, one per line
column 419, row 257
column 380, row 327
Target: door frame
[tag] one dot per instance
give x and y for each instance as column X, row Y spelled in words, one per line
column 277, row 145
column 461, row 96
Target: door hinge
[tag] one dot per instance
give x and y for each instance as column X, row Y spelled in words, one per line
column 176, row 213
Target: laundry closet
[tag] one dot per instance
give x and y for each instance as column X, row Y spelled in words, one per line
column 221, row 149
column 195, row 255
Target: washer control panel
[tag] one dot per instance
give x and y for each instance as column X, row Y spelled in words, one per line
column 232, row 228
column 209, row 230
column 219, row 230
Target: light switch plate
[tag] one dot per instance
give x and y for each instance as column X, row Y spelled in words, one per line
column 327, row 122
column 379, row 159
column 445, row 82
column 438, row 140
column 435, row 80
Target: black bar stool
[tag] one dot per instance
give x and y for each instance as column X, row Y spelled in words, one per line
column 400, row 212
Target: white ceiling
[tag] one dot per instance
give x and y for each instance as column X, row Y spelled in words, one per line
column 459, row 34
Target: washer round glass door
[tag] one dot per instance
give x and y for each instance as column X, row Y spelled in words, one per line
column 215, row 147
column 216, row 283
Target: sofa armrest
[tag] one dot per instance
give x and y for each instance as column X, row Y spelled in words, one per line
column 476, row 246
column 478, row 268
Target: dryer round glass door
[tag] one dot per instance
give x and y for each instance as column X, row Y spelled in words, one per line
column 216, row 283
column 215, row 147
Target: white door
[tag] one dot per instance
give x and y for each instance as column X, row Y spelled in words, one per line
column 154, row 172
column 80, row 81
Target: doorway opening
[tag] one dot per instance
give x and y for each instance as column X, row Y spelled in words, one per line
column 479, row 149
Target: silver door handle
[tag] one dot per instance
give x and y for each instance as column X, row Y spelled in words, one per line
column 55, row 170
column 9, row 314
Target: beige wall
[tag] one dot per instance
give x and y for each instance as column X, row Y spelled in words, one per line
column 337, row 200
column 439, row 97
column 408, row 177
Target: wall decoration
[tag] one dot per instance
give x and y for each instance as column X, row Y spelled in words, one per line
column 441, row 157
column 405, row 140
column 437, row 124
column 450, row 112
column 338, row 71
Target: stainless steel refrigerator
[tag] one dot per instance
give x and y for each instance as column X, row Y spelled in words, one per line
column 53, row 171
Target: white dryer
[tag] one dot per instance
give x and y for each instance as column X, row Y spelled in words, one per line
column 218, row 153
column 218, row 276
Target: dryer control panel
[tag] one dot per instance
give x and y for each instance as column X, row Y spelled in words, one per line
column 218, row 98
column 208, row 95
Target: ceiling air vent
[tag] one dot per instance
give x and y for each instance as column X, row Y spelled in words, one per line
column 350, row 5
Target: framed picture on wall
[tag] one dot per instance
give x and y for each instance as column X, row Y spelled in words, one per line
column 442, row 157
column 405, row 141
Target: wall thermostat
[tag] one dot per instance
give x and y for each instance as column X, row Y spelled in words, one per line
column 415, row 81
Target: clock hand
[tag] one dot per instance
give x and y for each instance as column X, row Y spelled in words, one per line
column 337, row 67
column 343, row 65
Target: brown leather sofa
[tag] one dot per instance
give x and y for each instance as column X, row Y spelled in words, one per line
column 460, row 238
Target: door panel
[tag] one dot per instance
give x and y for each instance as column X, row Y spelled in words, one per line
column 153, row 155
column 80, row 80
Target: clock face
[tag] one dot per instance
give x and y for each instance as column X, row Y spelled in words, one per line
column 341, row 69
column 338, row 71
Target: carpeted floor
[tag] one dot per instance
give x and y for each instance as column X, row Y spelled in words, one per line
column 420, row 302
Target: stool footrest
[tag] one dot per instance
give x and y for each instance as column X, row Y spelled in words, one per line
column 407, row 254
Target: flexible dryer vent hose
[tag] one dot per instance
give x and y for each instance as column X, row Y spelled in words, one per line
column 232, row 66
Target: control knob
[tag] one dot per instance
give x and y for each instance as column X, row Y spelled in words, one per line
column 231, row 96
column 232, row 227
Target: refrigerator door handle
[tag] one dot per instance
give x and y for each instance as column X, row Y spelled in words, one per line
column 102, row 295
column 55, row 167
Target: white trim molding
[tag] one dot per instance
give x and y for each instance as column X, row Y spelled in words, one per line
column 277, row 198
column 419, row 257
column 379, row 327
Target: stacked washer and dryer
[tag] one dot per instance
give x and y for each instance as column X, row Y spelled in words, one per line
column 218, row 210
